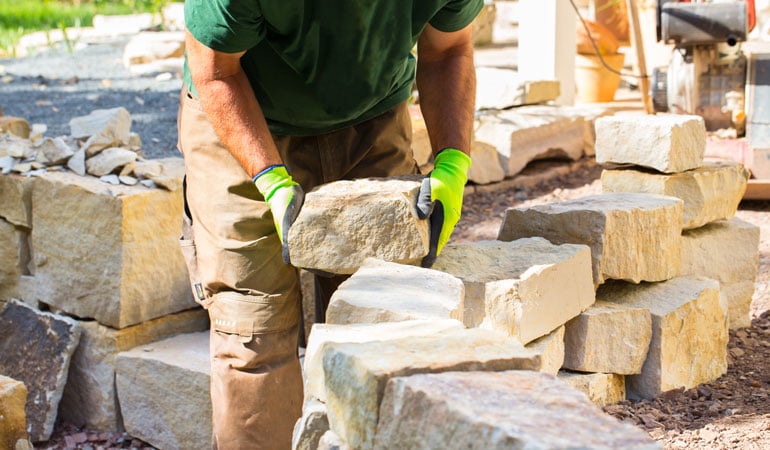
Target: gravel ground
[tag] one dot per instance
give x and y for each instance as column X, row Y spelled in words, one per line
column 730, row 413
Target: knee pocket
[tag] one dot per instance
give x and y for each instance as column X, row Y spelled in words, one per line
column 246, row 315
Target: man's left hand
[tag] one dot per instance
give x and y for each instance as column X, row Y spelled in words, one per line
column 441, row 198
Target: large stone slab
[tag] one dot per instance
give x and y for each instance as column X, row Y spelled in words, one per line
column 123, row 240
column 389, row 292
column 727, row 251
column 90, row 398
column 501, row 410
column 668, row 143
column 16, row 201
column 526, row 134
column 325, row 334
column 344, row 222
column 485, row 164
column 633, row 237
column 13, row 419
column 689, row 333
column 37, row 348
column 163, row 389
column 498, row 88
column 711, row 192
column 601, row 388
column 356, row 373
column 551, row 346
column 525, row 288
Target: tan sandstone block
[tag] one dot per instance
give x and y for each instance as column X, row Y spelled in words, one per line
column 326, row 334
column 551, row 346
column 356, row 373
column 13, row 418
column 601, row 388
column 10, row 261
column 123, row 240
column 501, row 410
column 163, row 389
column 711, row 192
column 608, row 338
column 633, row 237
column 344, row 222
column 16, row 199
column 389, row 292
column 689, row 333
column 14, row 125
column 89, row 397
column 727, row 251
column 668, row 143
column 525, row 288
column 485, row 164
column 525, row 134
column 421, row 148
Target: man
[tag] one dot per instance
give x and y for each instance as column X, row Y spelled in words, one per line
column 281, row 97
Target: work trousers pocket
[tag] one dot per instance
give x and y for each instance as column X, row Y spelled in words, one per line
column 187, row 245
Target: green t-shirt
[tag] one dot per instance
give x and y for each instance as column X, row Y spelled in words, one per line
column 319, row 66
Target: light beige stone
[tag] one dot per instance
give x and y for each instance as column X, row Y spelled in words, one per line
column 53, row 151
column 10, row 261
column 711, row 192
column 330, row 441
column 311, row 426
column 16, row 147
column 668, row 143
column 389, row 292
column 77, row 162
column 525, row 288
column 356, row 373
column 485, row 164
column 551, row 346
column 16, row 199
column 145, row 47
column 13, row 418
column 109, row 160
column 633, row 237
column 689, row 333
column 483, row 25
column 102, row 128
column 525, row 134
column 608, row 338
column 501, row 410
column 601, row 388
column 421, row 148
column 163, row 389
column 129, row 265
column 344, row 222
column 498, row 88
column 89, row 397
column 14, row 125
column 727, row 251
column 326, row 334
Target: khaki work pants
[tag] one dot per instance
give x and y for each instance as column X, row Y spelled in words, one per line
column 238, row 274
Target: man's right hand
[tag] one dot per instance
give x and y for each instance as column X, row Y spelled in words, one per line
column 284, row 197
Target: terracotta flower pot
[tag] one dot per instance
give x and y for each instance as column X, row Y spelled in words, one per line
column 594, row 82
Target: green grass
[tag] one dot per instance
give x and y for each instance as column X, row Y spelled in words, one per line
column 20, row 17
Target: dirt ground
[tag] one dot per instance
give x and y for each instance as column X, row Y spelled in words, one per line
column 732, row 412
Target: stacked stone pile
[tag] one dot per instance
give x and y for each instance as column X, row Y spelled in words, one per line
column 89, row 265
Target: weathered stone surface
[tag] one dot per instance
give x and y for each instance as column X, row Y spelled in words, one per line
column 14, row 125
column 109, row 160
column 15, row 146
column 37, row 348
column 601, row 388
column 633, row 237
column 608, row 338
column 483, row 25
column 53, row 151
column 13, row 419
column 330, row 441
column 16, row 199
column 10, row 261
column 356, row 373
column 311, row 426
column 102, row 128
column 522, row 135
column 389, row 292
column 503, row 410
column 344, row 222
column 689, row 333
column 162, row 386
column 711, row 192
column 485, row 164
column 89, row 397
column 502, row 88
column 668, row 143
column 423, row 152
column 325, row 334
column 145, row 47
column 727, row 251
column 129, row 265
column 77, row 163
column 551, row 347
column 525, row 288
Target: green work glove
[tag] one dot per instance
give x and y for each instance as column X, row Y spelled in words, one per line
column 441, row 198
column 284, row 197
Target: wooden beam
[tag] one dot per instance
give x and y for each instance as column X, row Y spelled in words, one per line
column 757, row 190
column 641, row 63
